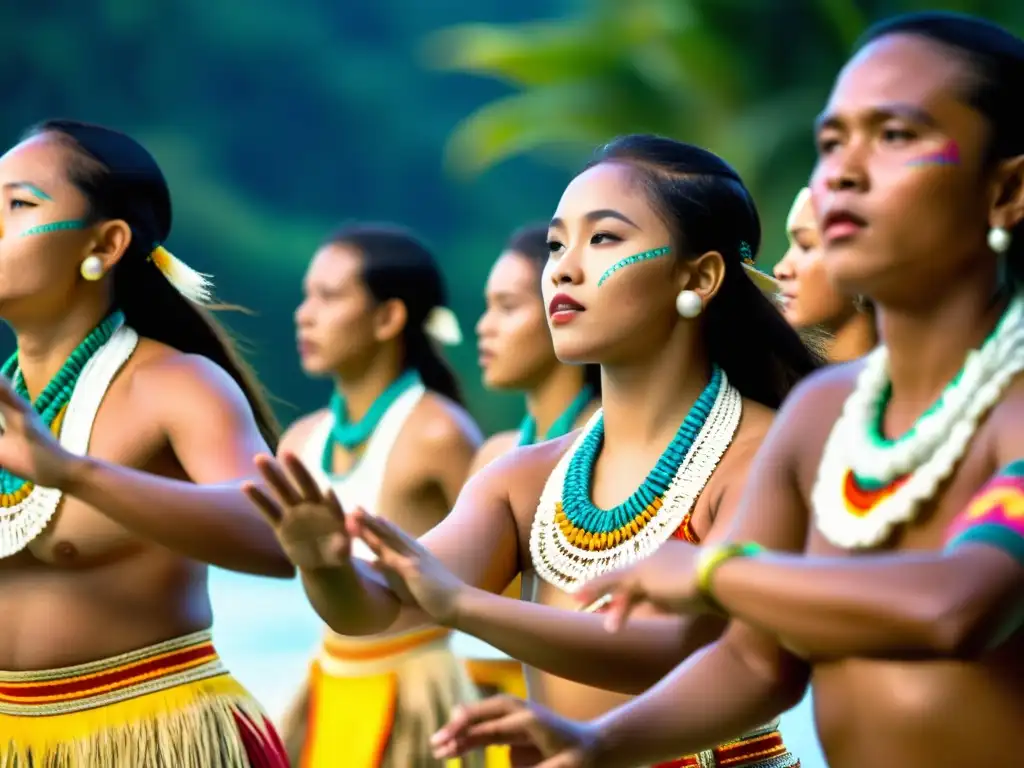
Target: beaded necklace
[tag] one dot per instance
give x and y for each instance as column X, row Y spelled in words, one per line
column 69, row 409
column 351, row 436
column 868, row 484
column 54, row 398
column 573, row 541
column 563, row 425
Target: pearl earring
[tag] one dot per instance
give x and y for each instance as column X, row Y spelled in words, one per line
column 999, row 239
column 689, row 304
column 92, row 268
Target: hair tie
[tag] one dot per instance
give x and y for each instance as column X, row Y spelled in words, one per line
column 765, row 283
column 442, row 326
column 194, row 286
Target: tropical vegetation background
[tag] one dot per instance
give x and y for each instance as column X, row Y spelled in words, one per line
column 276, row 120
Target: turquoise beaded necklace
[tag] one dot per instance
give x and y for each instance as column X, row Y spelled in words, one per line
column 585, row 515
column 563, row 425
column 350, row 435
column 58, row 391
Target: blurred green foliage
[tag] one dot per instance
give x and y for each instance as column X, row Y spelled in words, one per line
column 276, row 121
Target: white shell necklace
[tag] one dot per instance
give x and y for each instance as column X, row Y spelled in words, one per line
column 21, row 523
column 569, row 563
column 867, row 485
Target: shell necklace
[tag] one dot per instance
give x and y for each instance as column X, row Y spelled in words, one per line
column 572, row 541
column 867, row 485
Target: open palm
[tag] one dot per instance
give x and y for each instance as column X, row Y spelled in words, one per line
column 27, row 447
column 308, row 521
column 424, row 577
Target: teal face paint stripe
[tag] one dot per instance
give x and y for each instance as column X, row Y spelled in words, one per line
column 635, row 258
column 55, row 226
column 37, row 192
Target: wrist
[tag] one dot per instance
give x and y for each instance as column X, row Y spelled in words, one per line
column 466, row 607
column 714, row 557
column 73, row 473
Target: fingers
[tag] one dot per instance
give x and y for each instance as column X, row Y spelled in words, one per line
column 491, row 721
column 387, row 556
column 303, row 479
column 622, row 604
column 266, row 505
column 280, row 486
column 601, row 586
column 389, row 533
column 334, row 506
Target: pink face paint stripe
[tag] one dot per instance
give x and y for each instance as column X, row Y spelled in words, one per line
column 948, row 155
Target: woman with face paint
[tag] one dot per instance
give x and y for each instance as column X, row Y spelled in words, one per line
column 647, row 277
column 395, row 441
column 917, row 656
column 809, row 300
column 128, row 425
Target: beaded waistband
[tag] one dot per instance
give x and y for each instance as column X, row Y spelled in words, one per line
column 758, row 750
column 147, row 670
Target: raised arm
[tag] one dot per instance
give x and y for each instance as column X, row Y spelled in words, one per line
column 761, row 678
column 209, row 426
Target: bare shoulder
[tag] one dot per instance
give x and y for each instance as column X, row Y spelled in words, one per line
column 1007, row 422
column 496, row 445
column 523, row 471
column 160, row 376
column 298, row 432
column 439, row 424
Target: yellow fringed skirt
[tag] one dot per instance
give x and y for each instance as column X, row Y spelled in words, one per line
column 170, row 705
column 375, row 703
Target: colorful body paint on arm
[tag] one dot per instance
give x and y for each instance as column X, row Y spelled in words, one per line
column 995, row 514
column 634, row 259
column 948, row 155
column 56, row 226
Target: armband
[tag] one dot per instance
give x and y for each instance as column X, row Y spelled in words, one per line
column 994, row 515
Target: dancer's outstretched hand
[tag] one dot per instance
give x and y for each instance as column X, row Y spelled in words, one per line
column 537, row 736
column 427, row 580
column 667, row 580
column 27, row 447
column 308, row 520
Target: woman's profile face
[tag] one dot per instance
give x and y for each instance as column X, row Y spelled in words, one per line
column 611, row 281
column 807, row 296
column 899, row 191
column 513, row 339
column 43, row 233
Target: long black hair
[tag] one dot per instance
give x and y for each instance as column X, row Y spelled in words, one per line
column 994, row 59
column 121, row 180
column 707, row 208
column 397, row 265
column 531, row 241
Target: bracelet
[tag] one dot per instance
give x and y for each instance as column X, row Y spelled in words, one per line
column 711, row 558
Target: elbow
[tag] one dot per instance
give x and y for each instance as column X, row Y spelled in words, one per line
column 278, row 568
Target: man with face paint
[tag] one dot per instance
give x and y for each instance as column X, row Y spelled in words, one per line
column 648, row 277
column 897, row 480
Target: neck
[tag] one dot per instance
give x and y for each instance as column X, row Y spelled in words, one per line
column 646, row 402
column 360, row 390
column 549, row 399
column 928, row 346
column 853, row 338
column 44, row 347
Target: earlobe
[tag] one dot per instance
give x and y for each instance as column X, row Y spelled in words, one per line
column 1008, row 207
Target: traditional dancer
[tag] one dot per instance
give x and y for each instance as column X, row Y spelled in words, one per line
column 647, row 277
column 810, row 301
column 516, row 351
column 516, row 354
column 128, row 422
column 395, row 441
column 917, row 656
